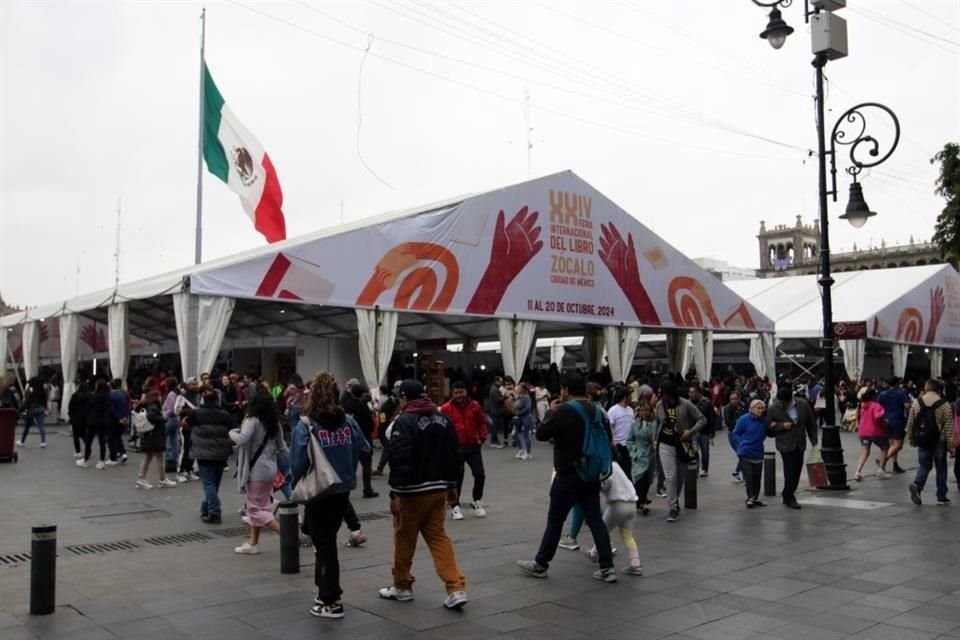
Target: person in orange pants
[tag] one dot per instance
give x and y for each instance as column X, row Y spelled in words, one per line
column 423, row 449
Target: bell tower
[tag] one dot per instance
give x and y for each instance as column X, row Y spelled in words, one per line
column 783, row 247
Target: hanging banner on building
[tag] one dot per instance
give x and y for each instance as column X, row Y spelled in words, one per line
column 552, row 249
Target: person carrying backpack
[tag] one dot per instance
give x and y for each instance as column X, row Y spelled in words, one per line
column 582, row 459
column 679, row 421
column 930, row 430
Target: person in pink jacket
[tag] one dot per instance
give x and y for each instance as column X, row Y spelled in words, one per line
column 872, row 430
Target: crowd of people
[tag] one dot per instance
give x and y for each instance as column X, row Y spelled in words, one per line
column 612, row 444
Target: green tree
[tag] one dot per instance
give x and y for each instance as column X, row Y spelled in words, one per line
column 946, row 233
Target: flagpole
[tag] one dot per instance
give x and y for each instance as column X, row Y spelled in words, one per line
column 197, row 254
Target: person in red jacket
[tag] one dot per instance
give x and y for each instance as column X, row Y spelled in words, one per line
column 470, row 422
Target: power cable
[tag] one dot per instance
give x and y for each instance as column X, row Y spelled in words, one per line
column 930, row 15
column 366, row 52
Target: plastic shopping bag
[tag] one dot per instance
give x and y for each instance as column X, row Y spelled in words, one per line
column 816, row 470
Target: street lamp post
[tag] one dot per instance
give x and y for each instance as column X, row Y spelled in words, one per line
column 829, row 43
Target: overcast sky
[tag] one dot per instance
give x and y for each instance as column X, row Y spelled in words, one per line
column 657, row 104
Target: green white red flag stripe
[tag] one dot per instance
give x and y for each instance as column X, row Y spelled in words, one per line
column 235, row 156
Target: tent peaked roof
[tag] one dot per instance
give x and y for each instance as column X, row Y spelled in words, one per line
column 908, row 305
column 553, row 248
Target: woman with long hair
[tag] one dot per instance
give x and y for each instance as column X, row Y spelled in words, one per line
column 171, row 423
column 259, row 442
column 153, row 442
column 872, row 431
column 342, row 440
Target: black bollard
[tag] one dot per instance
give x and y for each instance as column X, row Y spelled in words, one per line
column 43, row 569
column 289, row 514
column 690, row 486
column 769, row 474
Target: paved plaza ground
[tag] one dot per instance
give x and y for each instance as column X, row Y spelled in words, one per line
column 864, row 564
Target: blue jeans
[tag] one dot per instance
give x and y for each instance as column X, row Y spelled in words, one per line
column 703, row 443
column 523, row 432
column 211, row 472
column 929, row 458
column 173, row 440
column 567, row 491
column 35, row 415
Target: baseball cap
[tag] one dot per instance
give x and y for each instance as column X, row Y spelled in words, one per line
column 191, row 380
column 411, row 390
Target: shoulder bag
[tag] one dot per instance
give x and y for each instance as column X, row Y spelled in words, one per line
column 321, row 478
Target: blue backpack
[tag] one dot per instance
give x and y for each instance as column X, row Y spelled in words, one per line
column 596, row 463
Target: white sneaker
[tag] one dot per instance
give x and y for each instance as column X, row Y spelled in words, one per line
column 43, row 445
column 858, row 476
column 193, row 476
column 527, row 456
column 143, row 484
column 20, row 443
column 83, row 464
column 111, row 463
column 247, row 549
column 182, row 477
column 519, row 455
column 457, row 513
column 703, row 474
column 166, row 484
column 883, row 474
column 479, row 510
column 392, row 593
column 455, row 600
column 101, row 465
column 78, row 456
column 566, row 542
column 123, row 459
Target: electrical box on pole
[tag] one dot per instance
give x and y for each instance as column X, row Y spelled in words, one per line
column 828, row 35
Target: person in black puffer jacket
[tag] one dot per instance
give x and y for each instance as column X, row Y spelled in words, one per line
column 98, row 420
column 211, row 447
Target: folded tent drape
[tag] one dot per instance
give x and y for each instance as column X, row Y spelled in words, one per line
column 621, row 344
column 763, row 356
column 936, row 362
column 118, row 340
column 213, row 319
column 31, row 349
column 702, row 346
column 181, row 319
column 680, row 349
column 594, row 348
column 900, row 352
column 378, row 333
column 4, row 350
column 854, row 352
column 69, row 358
column 516, row 338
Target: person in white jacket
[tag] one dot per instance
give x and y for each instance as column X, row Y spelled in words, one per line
column 621, row 513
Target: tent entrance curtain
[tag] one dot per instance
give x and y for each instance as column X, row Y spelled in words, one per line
column 118, row 340
column 4, row 350
column 763, row 355
column 854, row 352
column 680, row 349
column 702, row 345
column 557, row 351
column 31, row 349
column 213, row 319
column 69, row 358
column 181, row 318
column 378, row 333
column 621, row 344
column 594, row 348
column 516, row 338
column 900, row 353
column 936, row 362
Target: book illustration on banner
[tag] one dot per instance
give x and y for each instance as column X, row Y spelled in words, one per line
column 515, row 243
column 413, row 268
column 621, row 260
column 690, row 304
column 657, row 258
column 292, row 278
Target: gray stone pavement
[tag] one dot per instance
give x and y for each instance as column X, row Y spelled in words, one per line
column 865, row 564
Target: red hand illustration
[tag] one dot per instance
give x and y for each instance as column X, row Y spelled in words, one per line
column 96, row 340
column 937, row 306
column 44, row 334
column 621, row 259
column 514, row 245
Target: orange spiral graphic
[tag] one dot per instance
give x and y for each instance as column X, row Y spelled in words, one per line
column 418, row 287
column 910, row 325
column 690, row 303
column 740, row 318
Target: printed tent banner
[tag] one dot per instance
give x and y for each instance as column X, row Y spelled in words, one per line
column 927, row 315
column 551, row 249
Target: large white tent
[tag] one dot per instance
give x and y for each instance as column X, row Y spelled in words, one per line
column 903, row 309
column 549, row 257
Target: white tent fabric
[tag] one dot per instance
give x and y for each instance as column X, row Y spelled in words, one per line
column 181, row 318
column 702, row 347
column 854, row 353
column 900, row 352
column 213, row 320
column 31, row 349
column 906, row 305
column 378, row 333
column 621, row 344
column 763, row 355
column 516, row 338
column 118, row 340
column 4, row 350
column 936, row 362
column 594, row 348
column 680, row 348
column 69, row 358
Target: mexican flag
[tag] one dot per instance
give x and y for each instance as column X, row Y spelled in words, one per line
column 234, row 155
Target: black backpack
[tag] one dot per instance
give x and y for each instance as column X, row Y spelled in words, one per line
column 926, row 432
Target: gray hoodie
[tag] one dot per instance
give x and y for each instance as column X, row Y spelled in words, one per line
column 248, row 438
